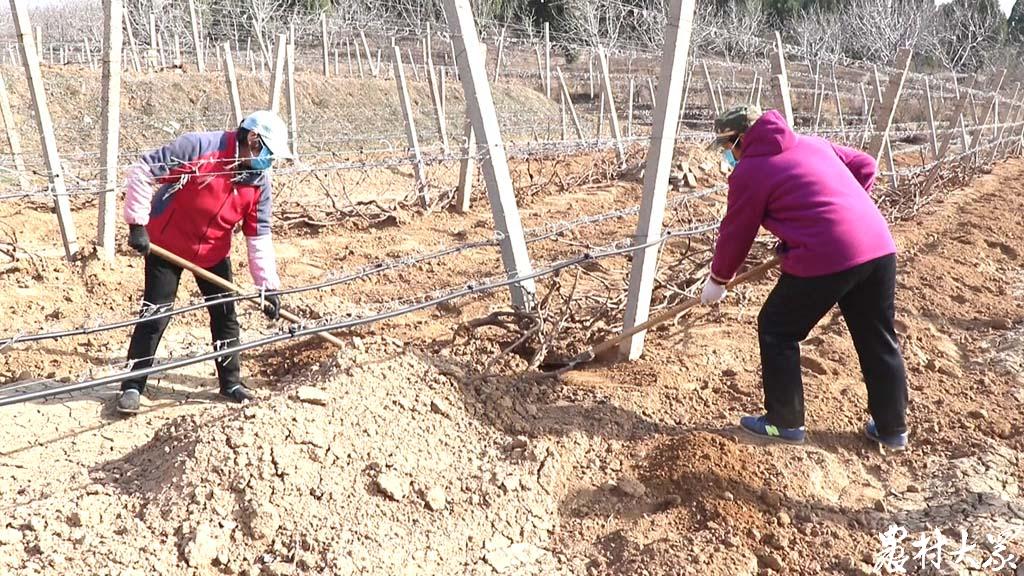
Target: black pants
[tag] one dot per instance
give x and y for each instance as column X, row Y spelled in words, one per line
column 866, row 296
column 162, row 280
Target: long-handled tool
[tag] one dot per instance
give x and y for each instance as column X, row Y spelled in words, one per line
column 602, row 347
column 214, row 279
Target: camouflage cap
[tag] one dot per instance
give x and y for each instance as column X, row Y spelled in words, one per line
column 734, row 121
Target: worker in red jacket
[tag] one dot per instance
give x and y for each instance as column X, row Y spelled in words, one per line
column 187, row 198
column 835, row 248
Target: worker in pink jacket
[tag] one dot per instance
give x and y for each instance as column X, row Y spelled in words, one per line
column 187, row 198
column 835, row 248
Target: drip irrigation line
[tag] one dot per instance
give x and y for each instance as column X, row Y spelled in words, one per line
column 297, row 331
column 534, row 235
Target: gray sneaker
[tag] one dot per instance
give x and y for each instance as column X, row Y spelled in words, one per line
column 238, row 393
column 128, row 402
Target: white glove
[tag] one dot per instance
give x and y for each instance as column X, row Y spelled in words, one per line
column 713, row 292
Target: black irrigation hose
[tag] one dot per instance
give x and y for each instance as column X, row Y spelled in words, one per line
column 296, row 331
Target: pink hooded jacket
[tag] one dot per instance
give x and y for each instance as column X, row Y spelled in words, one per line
column 808, row 192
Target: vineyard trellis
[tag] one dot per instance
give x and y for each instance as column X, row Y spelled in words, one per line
column 978, row 119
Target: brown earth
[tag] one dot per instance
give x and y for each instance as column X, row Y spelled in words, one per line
column 416, row 463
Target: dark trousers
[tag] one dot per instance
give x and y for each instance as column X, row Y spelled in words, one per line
column 162, row 280
column 866, row 296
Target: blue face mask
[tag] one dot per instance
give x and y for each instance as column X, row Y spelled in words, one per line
column 730, row 159
column 263, row 161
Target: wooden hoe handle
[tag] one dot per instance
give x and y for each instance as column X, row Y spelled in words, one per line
column 228, row 285
column 752, row 274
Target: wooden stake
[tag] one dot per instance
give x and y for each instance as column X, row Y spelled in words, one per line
column 501, row 54
column 110, row 121
column 564, row 115
column 540, row 66
column 711, row 90
column 547, row 60
column 278, row 78
column 781, row 81
column 609, row 100
column 443, row 74
column 989, row 107
column 931, row 119
column 643, row 268
column 839, row 100
column 629, row 111
column 13, row 140
column 375, row 70
column 161, row 51
column 292, row 109
column 590, row 74
column 359, row 61
column 410, row 128
column 480, row 104
column 886, row 112
column 817, row 114
column 44, row 122
column 568, row 102
column 152, row 53
column 323, row 42
column 178, row 63
column 229, row 76
column 435, row 98
column 957, row 114
column 467, row 166
column 1002, row 125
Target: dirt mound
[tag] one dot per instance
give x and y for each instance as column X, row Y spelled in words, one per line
column 377, row 469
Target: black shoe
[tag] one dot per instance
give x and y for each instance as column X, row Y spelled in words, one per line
column 128, row 402
column 238, row 393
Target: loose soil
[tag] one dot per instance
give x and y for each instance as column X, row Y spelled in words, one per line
column 395, row 455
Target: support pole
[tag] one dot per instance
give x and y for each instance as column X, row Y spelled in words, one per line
column 467, row 167
column 711, row 90
column 957, row 115
column 152, row 52
column 931, row 119
column 839, row 100
column 410, row 128
column 23, row 28
column 501, row 54
column 435, row 98
column 369, row 57
column 110, row 121
column 886, row 112
column 568, row 102
column 323, row 43
column 989, row 107
column 276, row 81
column 13, row 140
column 1001, row 126
column 780, row 81
column 547, row 60
column 229, row 76
column 292, row 112
column 480, row 104
column 609, row 100
column 629, row 111
column 659, row 164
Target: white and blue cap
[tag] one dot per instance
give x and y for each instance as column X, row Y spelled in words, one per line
column 272, row 130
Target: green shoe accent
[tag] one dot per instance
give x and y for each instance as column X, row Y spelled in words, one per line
column 771, row 430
